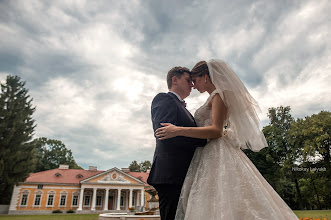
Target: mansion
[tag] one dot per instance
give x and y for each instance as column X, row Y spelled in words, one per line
column 84, row 191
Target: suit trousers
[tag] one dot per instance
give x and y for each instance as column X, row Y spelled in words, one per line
column 168, row 199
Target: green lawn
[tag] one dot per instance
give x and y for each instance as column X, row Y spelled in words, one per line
column 314, row 214
column 53, row 217
column 301, row 214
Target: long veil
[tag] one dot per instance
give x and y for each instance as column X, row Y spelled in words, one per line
column 242, row 107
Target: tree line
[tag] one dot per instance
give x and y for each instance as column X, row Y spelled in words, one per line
column 296, row 162
column 141, row 167
column 20, row 153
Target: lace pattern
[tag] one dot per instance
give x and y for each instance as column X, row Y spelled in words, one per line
column 222, row 183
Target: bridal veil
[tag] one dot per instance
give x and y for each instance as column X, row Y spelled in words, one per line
column 243, row 121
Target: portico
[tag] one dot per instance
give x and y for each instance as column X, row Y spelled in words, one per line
column 99, row 198
column 111, row 190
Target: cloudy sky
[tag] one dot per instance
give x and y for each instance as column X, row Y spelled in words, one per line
column 93, row 67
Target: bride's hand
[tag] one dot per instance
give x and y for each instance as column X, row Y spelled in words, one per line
column 167, row 131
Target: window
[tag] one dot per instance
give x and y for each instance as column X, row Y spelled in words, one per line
column 99, row 199
column 37, row 200
column 132, row 200
column 24, row 199
column 122, row 201
column 75, row 200
column 87, row 200
column 50, row 200
column 63, row 200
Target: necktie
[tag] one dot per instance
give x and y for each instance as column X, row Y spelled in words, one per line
column 184, row 103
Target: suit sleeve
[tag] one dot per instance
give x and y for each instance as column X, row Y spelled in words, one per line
column 164, row 110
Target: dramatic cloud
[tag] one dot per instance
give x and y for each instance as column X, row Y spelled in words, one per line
column 93, row 68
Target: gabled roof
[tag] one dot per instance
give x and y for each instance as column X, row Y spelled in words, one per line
column 76, row 176
column 115, row 169
column 67, row 176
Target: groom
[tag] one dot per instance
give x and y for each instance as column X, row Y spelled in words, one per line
column 172, row 156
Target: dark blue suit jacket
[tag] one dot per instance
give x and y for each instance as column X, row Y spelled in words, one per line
column 172, row 156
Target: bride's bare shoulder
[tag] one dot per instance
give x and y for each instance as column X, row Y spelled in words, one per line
column 215, row 99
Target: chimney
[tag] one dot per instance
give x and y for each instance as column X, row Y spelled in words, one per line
column 148, row 170
column 93, row 168
column 125, row 170
column 63, row 167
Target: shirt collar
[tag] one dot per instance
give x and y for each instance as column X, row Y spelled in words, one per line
column 179, row 98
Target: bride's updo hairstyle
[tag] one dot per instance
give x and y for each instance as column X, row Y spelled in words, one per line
column 200, row 69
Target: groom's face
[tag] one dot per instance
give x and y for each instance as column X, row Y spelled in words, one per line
column 185, row 85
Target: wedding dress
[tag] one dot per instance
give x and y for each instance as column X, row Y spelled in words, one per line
column 222, row 183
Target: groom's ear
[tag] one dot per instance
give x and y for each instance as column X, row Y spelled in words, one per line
column 174, row 80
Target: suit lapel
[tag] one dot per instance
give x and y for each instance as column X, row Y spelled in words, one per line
column 181, row 105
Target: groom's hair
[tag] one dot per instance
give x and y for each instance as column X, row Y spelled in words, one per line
column 200, row 69
column 177, row 71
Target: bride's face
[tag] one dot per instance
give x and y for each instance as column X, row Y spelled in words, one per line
column 199, row 83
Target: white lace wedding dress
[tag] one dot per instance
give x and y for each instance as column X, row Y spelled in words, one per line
column 222, row 183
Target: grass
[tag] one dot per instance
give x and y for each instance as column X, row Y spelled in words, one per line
column 52, row 217
column 314, row 214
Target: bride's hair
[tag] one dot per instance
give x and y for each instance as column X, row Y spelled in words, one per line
column 177, row 71
column 200, row 69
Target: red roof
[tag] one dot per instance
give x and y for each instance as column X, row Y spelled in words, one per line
column 72, row 176
column 137, row 175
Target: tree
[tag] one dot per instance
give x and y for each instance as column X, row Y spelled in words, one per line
column 275, row 161
column 134, row 166
column 276, row 133
column 141, row 167
column 311, row 139
column 51, row 153
column 16, row 131
column 144, row 166
column 312, row 136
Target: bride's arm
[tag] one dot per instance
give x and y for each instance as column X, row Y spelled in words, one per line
column 219, row 112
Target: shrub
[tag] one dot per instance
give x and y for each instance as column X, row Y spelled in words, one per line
column 57, row 211
column 70, row 211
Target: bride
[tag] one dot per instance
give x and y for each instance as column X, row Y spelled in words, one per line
column 222, row 183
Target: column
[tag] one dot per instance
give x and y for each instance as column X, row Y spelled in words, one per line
column 142, row 198
column 94, row 200
column 106, row 199
column 137, row 198
column 115, row 201
column 81, row 199
column 118, row 207
column 126, row 200
column 130, row 199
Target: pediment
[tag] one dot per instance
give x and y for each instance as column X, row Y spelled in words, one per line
column 113, row 176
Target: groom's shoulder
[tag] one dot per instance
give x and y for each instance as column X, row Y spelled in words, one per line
column 163, row 97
